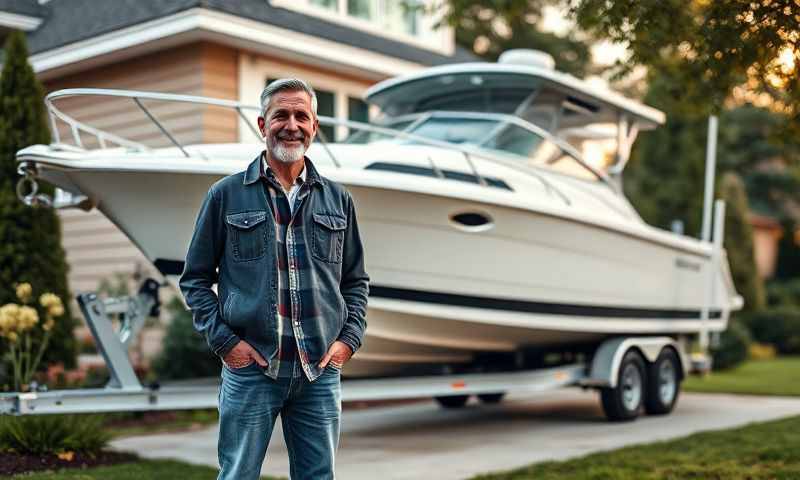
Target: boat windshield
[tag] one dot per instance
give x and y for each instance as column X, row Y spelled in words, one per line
column 495, row 134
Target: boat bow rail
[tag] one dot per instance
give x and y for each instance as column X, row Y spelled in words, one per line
column 105, row 139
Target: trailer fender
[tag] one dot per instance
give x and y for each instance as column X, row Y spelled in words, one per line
column 606, row 361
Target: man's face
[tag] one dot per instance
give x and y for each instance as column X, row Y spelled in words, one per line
column 289, row 125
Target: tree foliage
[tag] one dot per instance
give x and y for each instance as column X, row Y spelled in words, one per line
column 30, row 238
column 490, row 28
column 719, row 45
column 665, row 176
column 739, row 243
column 185, row 353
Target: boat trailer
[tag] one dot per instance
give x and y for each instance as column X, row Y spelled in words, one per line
column 125, row 392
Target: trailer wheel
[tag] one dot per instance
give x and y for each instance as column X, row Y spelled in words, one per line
column 491, row 397
column 663, row 383
column 624, row 401
column 453, row 401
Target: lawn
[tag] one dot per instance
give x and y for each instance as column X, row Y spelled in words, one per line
column 779, row 376
column 132, row 471
column 757, row 451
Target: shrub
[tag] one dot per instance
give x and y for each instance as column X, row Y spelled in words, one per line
column 185, row 353
column 733, row 347
column 43, row 434
column 779, row 326
column 784, row 293
column 30, row 238
column 762, row 351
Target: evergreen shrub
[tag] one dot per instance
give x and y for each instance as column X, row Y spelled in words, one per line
column 30, row 238
column 185, row 353
column 47, row 434
column 734, row 346
column 778, row 326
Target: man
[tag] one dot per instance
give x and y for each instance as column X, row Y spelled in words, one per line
column 292, row 294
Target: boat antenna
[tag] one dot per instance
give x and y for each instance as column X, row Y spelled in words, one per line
column 711, row 166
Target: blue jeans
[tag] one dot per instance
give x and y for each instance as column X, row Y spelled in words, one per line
column 249, row 403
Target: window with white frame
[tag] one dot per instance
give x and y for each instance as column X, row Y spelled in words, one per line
column 398, row 16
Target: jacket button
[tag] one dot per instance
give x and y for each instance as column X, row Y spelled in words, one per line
column 245, row 222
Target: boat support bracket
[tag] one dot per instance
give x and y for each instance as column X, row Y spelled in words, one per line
column 113, row 345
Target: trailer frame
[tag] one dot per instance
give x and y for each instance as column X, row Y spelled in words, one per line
column 124, row 391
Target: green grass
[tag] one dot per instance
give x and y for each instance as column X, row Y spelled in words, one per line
column 779, row 376
column 757, row 451
column 131, row 471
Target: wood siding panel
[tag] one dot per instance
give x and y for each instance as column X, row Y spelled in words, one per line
column 220, row 80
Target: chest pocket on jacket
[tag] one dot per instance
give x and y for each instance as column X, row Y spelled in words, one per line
column 328, row 237
column 248, row 234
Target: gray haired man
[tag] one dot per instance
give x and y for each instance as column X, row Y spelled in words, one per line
column 283, row 245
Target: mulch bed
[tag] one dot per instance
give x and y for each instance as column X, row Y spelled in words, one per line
column 144, row 419
column 12, row 463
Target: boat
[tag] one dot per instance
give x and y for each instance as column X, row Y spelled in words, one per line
column 488, row 236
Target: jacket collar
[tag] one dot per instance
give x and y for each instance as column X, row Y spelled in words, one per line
column 253, row 172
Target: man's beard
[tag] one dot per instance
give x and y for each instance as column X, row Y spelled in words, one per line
column 281, row 152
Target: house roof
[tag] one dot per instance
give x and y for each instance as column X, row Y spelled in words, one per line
column 69, row 21
column 29, row 8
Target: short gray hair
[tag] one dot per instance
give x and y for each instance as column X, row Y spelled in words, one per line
column 287, row 85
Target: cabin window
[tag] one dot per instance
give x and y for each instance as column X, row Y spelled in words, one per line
column 364, row 136
column 568, row 165
column 455, row 130
column 517, row 140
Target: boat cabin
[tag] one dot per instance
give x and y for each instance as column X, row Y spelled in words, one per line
column 520, row 105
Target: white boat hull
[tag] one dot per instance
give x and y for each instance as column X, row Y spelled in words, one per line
column 441, row 294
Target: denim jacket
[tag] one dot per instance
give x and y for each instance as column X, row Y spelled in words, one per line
column 233, row 245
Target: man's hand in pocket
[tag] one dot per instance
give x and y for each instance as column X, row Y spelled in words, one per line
column 243, row 355
column 338, row 354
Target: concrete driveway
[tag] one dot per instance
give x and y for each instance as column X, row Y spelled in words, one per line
column 422, row 440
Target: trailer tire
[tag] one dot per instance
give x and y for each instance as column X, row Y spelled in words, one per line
column 453, row 401
column 491, row 398
column 623, row 402
column 663, row 383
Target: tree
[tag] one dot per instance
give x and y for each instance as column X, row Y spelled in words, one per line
column 30, row 238
column 665, row 177
column 788, row 261
column 739, row 243
column 490, row 28
column 724, row 48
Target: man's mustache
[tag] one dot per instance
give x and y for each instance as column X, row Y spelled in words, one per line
column 289, row 136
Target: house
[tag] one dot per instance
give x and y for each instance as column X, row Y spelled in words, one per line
column 214, row 48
